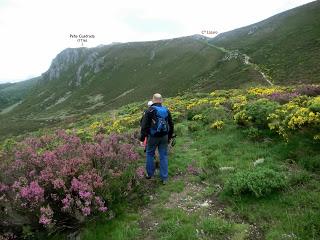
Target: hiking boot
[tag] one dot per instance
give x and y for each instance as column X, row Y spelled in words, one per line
column 148, row 177
column 164, row 182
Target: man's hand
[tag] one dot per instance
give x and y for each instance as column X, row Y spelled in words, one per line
column 141, row 144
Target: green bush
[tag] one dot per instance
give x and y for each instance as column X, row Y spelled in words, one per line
column 214, row 114
column 132, row 108
column 216, row 228
column 258, row 182
column 177, row 116
column 259, row 110
column 200, row 109
column 315, row 106
column 253, row 133
column 181, row 129
column 8, row 145
column 194, row 126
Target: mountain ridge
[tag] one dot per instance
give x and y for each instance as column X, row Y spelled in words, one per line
column 89, row 80
column 286, row 45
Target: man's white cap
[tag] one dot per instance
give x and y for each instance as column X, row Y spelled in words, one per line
column 150, row 103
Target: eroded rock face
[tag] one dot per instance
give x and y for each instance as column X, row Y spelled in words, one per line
column 63, row 61
column 84, row 60
column 91, row 63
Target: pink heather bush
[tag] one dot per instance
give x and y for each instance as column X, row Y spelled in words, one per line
column 281, row 97
column 46, row 216
column 58, row 178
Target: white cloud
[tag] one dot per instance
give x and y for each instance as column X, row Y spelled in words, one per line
column 34, row 31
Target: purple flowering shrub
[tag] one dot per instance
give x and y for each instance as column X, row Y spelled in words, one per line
column 308, row 90
column 282, row 97
column 60, row 180
column 285, row 97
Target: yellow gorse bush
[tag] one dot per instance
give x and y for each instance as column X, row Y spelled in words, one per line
column 197, row 102
column 217, row 125
column 301, row 112
column 302, row 117
column 211, row 101
column 198, row 117
column 293, row 116
column 238, row 102
column 264, row 91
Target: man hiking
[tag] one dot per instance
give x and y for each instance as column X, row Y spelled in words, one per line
column 157, row 126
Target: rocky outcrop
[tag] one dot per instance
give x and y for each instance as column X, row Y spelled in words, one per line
column 81, row 61
column 92, row 63
column 63, row 61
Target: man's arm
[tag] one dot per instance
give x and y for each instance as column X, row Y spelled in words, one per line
column 171, row 126
column 145, row 126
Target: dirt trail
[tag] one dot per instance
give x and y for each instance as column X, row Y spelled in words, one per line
column 246, row 60
column 194, row 198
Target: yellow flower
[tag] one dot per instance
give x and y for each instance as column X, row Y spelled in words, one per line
column 264, row 90
column 198, row 117
column 217, row 125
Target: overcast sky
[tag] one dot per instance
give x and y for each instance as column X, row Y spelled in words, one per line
column 33, row 32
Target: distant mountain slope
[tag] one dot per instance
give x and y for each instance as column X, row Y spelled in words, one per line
column 82, row 80
column 283, row 49
column 12, row 93
column 286, row 46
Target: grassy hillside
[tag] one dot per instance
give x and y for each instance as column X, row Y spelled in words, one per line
column 83, row 80
column 282, row 49
column 128, row 72
column 286, row 46
column 245, row 166
column 12, row 93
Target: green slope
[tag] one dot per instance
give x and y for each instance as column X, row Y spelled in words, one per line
column 286, row 46
column 12, row 93
column 84, row 80
column 283, row 49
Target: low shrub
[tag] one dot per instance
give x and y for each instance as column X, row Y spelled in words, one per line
column 259, row 110
column 216, row 228
column 258, row 182
column 308, row 90
column 253, row 133
column 282, row 97
column 215, row 114
column 181, row 129
column 217, row 125
column 194, row 126
column 197, row 109
column 58, row 180
column 315, row 105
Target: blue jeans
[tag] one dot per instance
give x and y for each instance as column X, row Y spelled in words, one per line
column 162, row 144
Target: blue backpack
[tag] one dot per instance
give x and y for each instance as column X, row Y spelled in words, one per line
column 160, row 124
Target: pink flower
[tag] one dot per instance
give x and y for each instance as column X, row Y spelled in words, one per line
column 67, row 201
column 46, row 215
column 58, row 183
column 49, row 156
column 101, row 204
column 86, row 211
column 85, row 194
column 103, row 209
column 32, row 193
